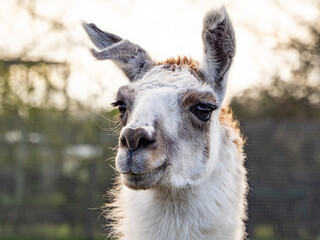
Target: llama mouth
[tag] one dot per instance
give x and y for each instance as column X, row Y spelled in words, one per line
column 144, row 180
column 130, row 173
column 139, row 174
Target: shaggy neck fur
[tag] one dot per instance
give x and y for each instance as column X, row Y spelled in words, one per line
column 213, row 209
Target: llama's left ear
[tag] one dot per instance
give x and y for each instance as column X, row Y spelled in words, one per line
column 219, row 49
column 133, row 60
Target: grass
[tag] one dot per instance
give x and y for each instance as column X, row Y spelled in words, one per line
column 47, row 238
column 76, row 232
column 47, row 232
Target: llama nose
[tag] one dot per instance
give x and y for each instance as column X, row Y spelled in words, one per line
column 136, row 138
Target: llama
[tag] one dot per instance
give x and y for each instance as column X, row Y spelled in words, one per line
column 180, row 157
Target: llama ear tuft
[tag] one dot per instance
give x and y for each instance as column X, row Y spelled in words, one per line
column 219, row 49
column 133, row 60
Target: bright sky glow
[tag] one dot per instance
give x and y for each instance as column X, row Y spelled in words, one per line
column 164, row 28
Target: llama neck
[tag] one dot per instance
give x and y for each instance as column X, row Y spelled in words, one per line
column 214, row 209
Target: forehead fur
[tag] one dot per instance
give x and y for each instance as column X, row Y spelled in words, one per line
column 174, row 64
column 181, row 73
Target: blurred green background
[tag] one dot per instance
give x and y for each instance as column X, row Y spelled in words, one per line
column 56, row 151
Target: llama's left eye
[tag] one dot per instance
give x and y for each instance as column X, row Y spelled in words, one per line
column 203, row 111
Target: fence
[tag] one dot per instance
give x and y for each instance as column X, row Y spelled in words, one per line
column 52, row 181
column 284, row 177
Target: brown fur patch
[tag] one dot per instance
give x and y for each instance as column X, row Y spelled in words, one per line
column 227, row 119
column 193, row 97
column 177, row 63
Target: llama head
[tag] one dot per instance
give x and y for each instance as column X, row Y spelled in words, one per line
column 169, row 110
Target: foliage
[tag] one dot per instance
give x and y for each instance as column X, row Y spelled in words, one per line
column 279, row 100
column 295, row 96
column 52, row 152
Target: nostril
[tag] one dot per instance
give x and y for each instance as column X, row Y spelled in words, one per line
column 124, row 141
column 144, row 142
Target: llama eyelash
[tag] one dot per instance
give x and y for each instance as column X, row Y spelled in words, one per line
column 116, row 103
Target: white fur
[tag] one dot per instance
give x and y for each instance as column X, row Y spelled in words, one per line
column 211, row 209
column 211, row 206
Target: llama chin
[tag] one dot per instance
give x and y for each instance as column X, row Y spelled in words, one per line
column 180, row 157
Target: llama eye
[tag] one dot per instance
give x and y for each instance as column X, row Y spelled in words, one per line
column 122, row 107
column 203, row 111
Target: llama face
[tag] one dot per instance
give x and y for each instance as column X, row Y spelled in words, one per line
column 169, row 110
column 165, row 139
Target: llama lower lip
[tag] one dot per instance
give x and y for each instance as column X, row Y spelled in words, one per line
column 150, row 171
column 137, row 174
column 144, row 173
column 145, row 180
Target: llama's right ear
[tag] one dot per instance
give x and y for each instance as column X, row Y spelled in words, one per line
column 219, row 49
column 131, row 58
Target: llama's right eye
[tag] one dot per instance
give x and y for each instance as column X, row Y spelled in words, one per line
column 122, row 107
